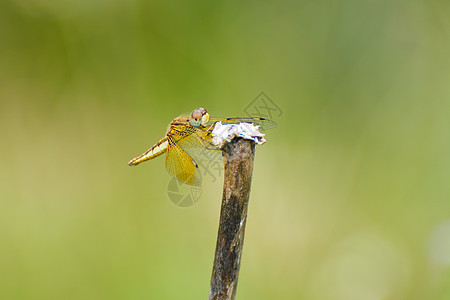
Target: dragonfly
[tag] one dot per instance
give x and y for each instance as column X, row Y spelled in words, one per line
column 187, row 138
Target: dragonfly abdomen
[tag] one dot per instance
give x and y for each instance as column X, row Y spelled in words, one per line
column 155, row 151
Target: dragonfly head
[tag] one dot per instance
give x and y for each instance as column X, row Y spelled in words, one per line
column 199, row 117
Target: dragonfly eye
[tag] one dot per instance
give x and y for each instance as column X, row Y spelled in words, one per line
column 205, row 118
column 199, row 117
column 196, row 114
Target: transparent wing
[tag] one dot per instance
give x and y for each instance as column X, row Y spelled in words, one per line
column 264, row 123
column 198, row 145
column 181, row 165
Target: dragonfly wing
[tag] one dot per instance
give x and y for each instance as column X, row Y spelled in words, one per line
column 198, row 145
column 181, row 165
column 264, row 123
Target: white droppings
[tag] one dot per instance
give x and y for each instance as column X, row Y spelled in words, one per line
column 225, row 133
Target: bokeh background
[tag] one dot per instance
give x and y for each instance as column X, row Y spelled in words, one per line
column 350, row 196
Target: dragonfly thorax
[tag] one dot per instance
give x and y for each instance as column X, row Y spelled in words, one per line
column 199, row 117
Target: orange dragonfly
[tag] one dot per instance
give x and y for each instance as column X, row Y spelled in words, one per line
column 186, row 138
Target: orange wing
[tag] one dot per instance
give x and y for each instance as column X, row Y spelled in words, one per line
column 181, row 165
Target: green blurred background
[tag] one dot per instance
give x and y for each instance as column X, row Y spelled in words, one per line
column 350, row 196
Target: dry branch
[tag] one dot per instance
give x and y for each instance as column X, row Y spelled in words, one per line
column 238, row 161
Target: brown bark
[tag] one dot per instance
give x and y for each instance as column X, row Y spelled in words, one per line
column 238, row 161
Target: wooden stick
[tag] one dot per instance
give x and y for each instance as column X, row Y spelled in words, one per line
column 238, row 160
